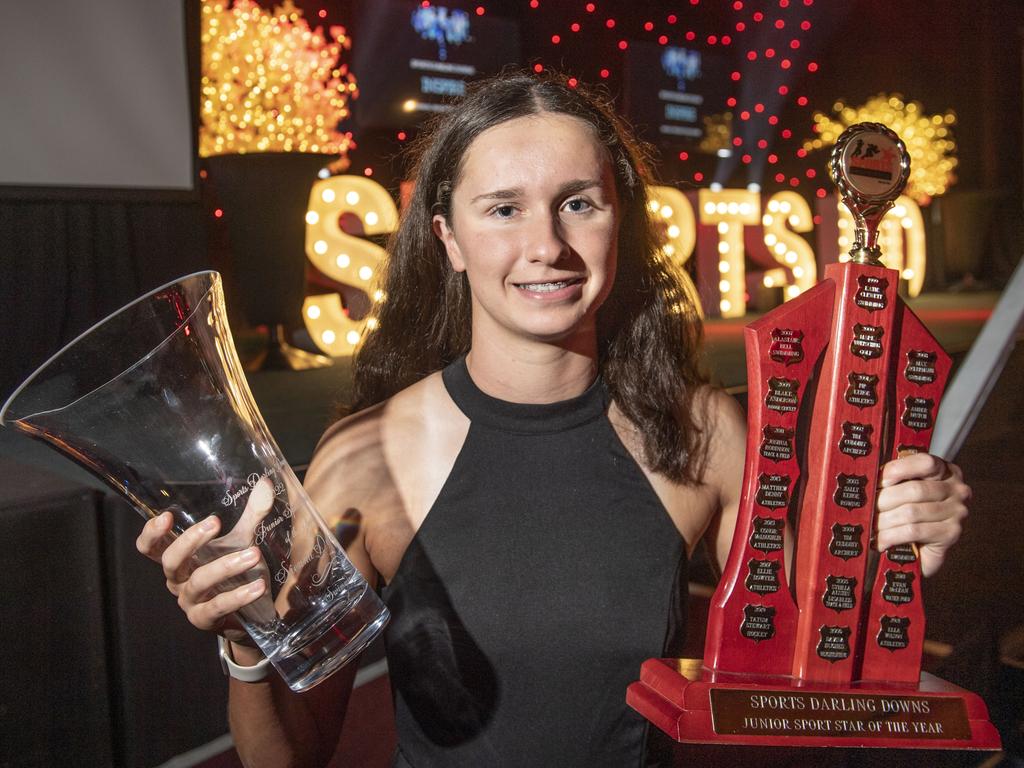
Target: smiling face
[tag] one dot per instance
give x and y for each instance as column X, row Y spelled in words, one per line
column 533, row 223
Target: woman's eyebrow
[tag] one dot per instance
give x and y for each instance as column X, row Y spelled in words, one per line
column 500, row 194
column 569, row 188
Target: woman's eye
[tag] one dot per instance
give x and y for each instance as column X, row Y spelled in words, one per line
column 504, row 211
column 577, row 205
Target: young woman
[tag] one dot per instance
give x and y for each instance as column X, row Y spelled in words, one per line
column 532, row 457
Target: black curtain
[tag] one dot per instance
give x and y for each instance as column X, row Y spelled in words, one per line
column 65, row 265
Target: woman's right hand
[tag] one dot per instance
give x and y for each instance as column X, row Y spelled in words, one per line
column 210, row 593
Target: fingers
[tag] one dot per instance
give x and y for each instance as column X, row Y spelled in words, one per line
column 177, row 559
column 156, row 536
column 928, row 526
column 924, row 491
column 260, row 502
column 205, row 606
column 917, row 466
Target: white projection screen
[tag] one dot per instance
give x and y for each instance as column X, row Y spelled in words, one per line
column 94, row 95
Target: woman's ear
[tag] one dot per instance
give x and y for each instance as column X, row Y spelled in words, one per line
column 445, row 234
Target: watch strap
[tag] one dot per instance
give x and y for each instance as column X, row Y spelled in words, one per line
column 251, row 674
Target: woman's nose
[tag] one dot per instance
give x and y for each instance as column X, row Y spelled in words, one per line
column 546, row 242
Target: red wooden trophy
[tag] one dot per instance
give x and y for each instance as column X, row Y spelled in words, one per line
column 837, row 659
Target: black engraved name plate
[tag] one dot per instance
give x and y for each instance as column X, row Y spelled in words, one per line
column 856, row 439
column 851, row 491
column 777, row 443
column 763, row 576
column 840, row 593
column 893, row 634
column 920, row 367
column 834, row 644
column 862, row 390
column 782, row 394
column 917, row 413
column 867, row 341
column 758, row 622
column 901, row 554
column 767, row 534
column 899, row 587
column 871, row 292
column 787, row 346
column 846, row 541
column 772, row 490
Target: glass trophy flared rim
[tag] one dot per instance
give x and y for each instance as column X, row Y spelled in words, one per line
column 4, row 410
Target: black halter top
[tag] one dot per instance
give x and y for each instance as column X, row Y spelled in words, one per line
column 544, row 574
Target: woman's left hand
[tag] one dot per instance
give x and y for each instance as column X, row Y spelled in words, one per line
column 922, row 500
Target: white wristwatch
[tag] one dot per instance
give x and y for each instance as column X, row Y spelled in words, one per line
column 253, row 674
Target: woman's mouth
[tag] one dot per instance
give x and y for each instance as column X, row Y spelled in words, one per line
column 548, row 287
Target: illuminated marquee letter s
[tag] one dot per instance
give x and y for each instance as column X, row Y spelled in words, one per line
column 344, row 257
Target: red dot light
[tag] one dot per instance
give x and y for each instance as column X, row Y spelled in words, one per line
column 672, row 18
column 773, row 158
column 712, row 39
column 691, row 35
column 794, row 43
column 726, row 39
column 758, row 16
column 783, row 3
column 735, row 76
column 648, row 25
column 785, row 64
column 738, row 5
column 759, row 107
column 480, row 10
column 573, row 82
column 773, row 119
column 783, row 90
column 731, row 101
column 610, row 23
column 737, row 141
column 794, row 182
column 604, row 73
column 575, row 26
column 623, row 45
column 538, row 67
column 780, row 24
column 801, row 152
column 591, row 7
column 698, row 176
column 751, row 55
column 746, row 159
column 740, row 26
column 401, row 135
column 744, row 115
column 802, row 101
column 218, row 212
column 534, row 3
column 368, row 171
column 805, row 25
column 663, row 39
column 769, row 53
column 811, row 173
column 786, row 133
column 762, row 144
column 821, row 192
column 322, row 13
column 556, row 39
column 812, row 67
column 780, row 177
column 684, row 155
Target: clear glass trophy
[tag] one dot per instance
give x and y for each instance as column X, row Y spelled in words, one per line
column 153, row 401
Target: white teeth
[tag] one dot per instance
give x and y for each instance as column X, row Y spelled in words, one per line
column 543, row 287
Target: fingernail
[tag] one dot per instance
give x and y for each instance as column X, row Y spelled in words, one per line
column 256, row 588
column 208, row 524
column 247, row 556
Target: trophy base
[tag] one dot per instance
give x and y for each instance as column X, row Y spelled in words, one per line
column 700, row 706
column 279, row 355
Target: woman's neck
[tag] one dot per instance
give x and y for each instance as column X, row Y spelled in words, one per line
column 532, row 372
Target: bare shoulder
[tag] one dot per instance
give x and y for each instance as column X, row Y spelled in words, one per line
column 724, row 425
column 375, row 473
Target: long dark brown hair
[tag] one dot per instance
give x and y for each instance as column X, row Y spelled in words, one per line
column 649, row 331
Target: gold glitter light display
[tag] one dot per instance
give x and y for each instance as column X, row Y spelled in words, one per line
column 270, row 83
column 929, row 139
